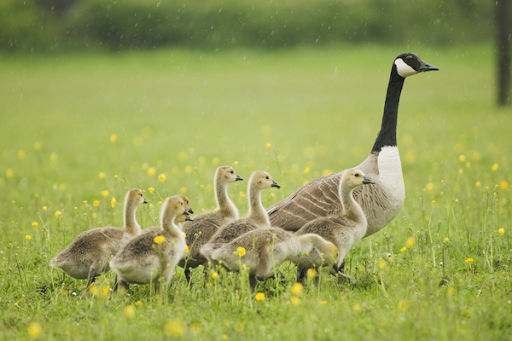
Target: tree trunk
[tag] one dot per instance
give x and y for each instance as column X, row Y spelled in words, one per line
column 503, row 25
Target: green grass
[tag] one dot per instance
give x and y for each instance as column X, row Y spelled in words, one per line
column 317, row 108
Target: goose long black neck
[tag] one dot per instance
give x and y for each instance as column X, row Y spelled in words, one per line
column 387, row 133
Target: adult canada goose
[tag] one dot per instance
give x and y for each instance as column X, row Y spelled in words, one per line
column 205, row 225
column 256, row 218
column 345, row 228
column 154, row 253
column 381, row 201
column 263, row 248
column 89, row 254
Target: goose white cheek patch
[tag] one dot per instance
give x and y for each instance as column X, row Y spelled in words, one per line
column 403, row 69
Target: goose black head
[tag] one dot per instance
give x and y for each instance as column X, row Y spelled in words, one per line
column 408, row 64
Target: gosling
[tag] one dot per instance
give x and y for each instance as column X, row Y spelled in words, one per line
column 151, row 256
column 89, row 254
column 257, row 217
column 263, row 250
column 204, row 226
column 343, row 229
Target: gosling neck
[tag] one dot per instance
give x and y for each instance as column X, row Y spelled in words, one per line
column 224, row 205
column 256, row 210
column 168, row 223
column 130, row 220
column 351, row 209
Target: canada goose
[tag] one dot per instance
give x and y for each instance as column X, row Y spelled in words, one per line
column 187, row 206
column 256, row 218
column 265, row 246
column 345, row 228
column 89, row 254
column 381, row 201
column 145, row 260
column 205, row 225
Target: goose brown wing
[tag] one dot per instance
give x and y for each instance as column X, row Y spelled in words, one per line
column 318, row 198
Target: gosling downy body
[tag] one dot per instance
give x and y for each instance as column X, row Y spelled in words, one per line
column 142, row 260
column 205, row 225
column 381, row 201
column 343, row 229
column 267, row 248
column 256, row 218
column 89, row 254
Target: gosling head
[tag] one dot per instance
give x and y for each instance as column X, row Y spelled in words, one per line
column 175, row 207
column 408, row 64
column 355, row 178
column 187, row 204
column 136, row 196
column 263, row 180
column 330, row 254
column 227, row 174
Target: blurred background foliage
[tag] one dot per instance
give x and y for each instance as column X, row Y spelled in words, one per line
column 57, row 25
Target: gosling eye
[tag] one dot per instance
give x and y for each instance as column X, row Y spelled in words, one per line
column 266, row 177
column 231, row 172
column 357, row 174
column 141, row 194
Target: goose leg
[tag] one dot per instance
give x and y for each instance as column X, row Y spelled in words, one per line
column 188, row 275
column 272, row 275
column 123, row 286
column 252, row 282
column 301, row 275
column 91, row 277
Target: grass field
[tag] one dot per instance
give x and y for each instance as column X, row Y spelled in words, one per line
column 75, row 126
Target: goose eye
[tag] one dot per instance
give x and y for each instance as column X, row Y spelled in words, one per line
column 266, row 177
column 141, row 194
column 231, row 172
column 357, row 174
column 409, row 57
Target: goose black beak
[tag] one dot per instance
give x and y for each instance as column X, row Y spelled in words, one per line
column 188, row 218
column 367, row 181
column 238, row 178
column 145, row 201
column 426, row 67
column 190, row 211
column 275, row 184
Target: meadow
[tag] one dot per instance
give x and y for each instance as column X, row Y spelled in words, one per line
column 79, row 130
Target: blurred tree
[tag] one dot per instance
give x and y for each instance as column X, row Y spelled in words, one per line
column 60, row 7
column 503, row 24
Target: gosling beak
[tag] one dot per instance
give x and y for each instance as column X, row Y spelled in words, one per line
column 190, row 211
column 188, row 218
column 426, row 67
column 335, row 268
column 145, row 201
column 238, row 178
column 275, row 184
column 367, row 181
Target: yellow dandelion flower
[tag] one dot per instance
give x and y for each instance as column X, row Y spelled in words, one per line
column 468, row 164
column 306, row 254
column 35, row 330
column 403, row 305
column 306, row 170
column 381, row 264
column 113, row 138
column 138, row 303
column 241, row 194
column 187, row 250
column 151, row 171
column 115, row 176
column 159, row 239
column 461, row 171
column 268, row 145
column 433, row 201
column 94, row 289
column 478, row 184
column 410, row 242
column 224, row 336
column 101, row 175
column 188, row 169
column 462, row 158
column 429, row 186
column 104, row 291
column 9, row 173
column 240, row 251
column 27, row 237
column 162, row 177
column 390, row 259
column 159, row 203
column 235, row 163
column 503, row 185
column 260, row 296
column 151, row 190
column 58, row 214
column 297, row 288
column 54, row 157
column 183, row 190
column 311, row 273
column 38, row 146
column 469, row 260
column 450, row 290
column 501, row 231
column 129, row 311
column 113, row 202
column 357, row 308
column 85, row 202
column 44, row 208
column 215, row 275
column 403, row 249
column 35, row 223
column 215, row 161
column 183, row 156
column 96, row 203
column 184, row 234
column 94, row 215
column 446, row 240
column 495, row 167
column 295, row 300
column 21, row 154
column 326, row 172
column 104, row 193
column 323, row 302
